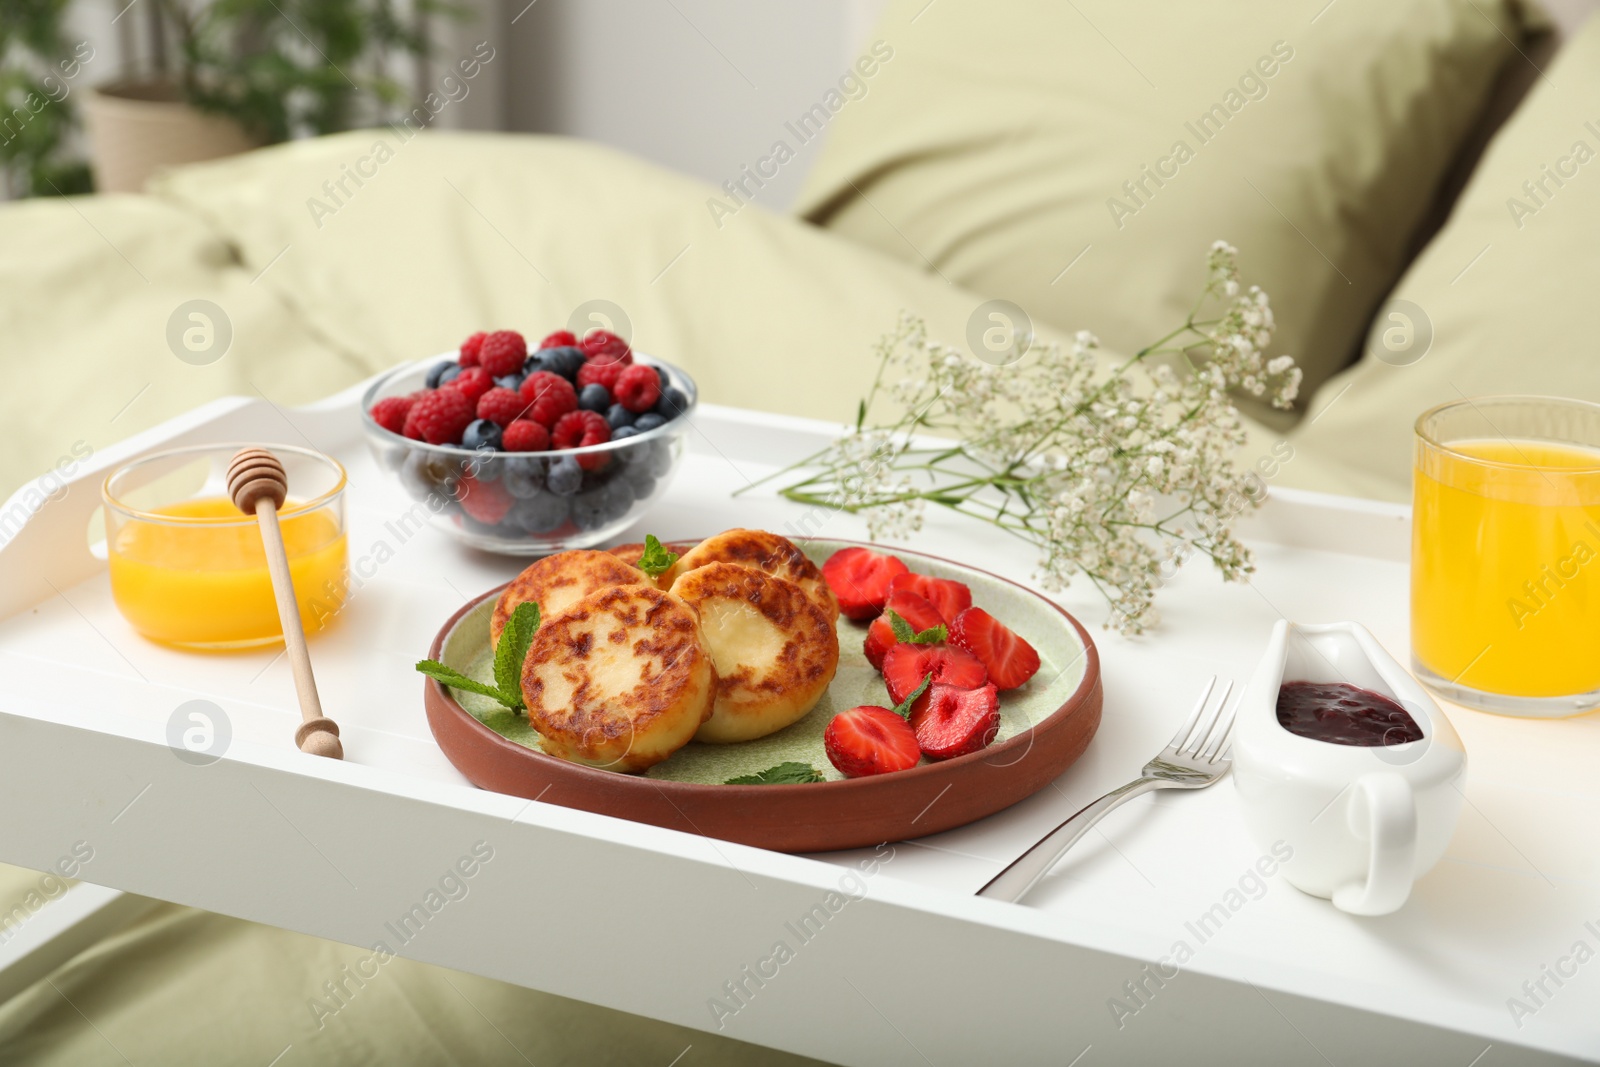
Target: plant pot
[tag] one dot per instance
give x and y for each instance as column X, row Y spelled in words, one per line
column 138, row 128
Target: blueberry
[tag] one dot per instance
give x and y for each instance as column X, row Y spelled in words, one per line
column 539, row 514
column 524, row 476
column 562, row 361
column 622, row 433
column 659, row 459
column 486, row 465
column 512, row 382
column 607, row 503
column 617, row 417
column 594, row 397
column 600, row 475
column 451, row 372
column 436, row 372
column 638, row 452
column 566, row 477
column 648, row 421
column 672, row 403
column 642, row 478
column 481, row 434
column 426, row 474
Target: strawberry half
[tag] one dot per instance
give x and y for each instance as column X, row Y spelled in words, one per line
column 906, row 665
column 880, row 635
column 1009, row 659
column 860, row 580
column 870, row 740
column 950, row 597
column 951, row 722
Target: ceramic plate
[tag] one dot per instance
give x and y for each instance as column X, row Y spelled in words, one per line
column 1044, row 726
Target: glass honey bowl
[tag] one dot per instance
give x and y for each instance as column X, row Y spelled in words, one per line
column 188, row 568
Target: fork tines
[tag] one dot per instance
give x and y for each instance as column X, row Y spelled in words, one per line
column 1205, row 734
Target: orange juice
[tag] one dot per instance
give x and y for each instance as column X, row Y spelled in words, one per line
column 1505, row 580
column 190, row 583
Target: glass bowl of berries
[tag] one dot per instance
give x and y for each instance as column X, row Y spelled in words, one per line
column 531, row 449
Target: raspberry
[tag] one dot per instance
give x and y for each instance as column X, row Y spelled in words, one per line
column 580, row 429
column 551, row 395
column 471, row 383
column 560, row 339
column 501, row 406
column 603, row 373
column 502, row 353
column 439, row 418
column 638, row 388
column 488, row 502
column 525, row 435
column 603, row 346
column 391, row 412
column 470, row 349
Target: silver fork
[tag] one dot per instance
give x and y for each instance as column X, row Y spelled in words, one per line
column 1197, row 757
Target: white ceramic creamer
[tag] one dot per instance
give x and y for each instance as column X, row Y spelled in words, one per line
column 1365, row 821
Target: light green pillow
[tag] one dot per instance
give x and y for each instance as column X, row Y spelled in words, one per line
column 1071, row 157
column 460, row 232
column 1506, row 290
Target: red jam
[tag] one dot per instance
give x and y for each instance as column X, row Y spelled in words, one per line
column 1342, row 714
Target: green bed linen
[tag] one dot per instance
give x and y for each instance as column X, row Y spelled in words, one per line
column 1499, row 301
column 88, row 287
column 1068, row 156
column 184, row 987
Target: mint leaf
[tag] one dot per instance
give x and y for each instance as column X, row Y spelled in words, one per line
column 790, row 773
column 933, row 635
column 903, row 709
column 902, row 629
column 656, row 560
column 456, row 680
column 512, row 650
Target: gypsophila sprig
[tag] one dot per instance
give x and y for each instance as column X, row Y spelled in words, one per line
column 1111, row 474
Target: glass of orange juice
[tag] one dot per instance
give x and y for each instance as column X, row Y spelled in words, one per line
column 1505, row 554
column 188, row 568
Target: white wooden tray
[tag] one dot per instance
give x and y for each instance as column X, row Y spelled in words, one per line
column 890, row 959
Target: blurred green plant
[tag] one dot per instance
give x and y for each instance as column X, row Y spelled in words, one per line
column 36, row 115
column 282, row 68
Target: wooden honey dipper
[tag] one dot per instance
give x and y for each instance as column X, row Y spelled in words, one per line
column 258, row 486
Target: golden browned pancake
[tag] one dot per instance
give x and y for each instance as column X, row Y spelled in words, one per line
column 629, row 553
column 557, row 581
column 620, row 679
column 768, row 552
column 774, row 650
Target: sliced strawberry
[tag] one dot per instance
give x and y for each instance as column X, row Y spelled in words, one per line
column 869, row 740
column 920, row 614
column 1009, row 659
column 860, row 580
column 906, row 665
column 950, row 597
column 949, row 721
